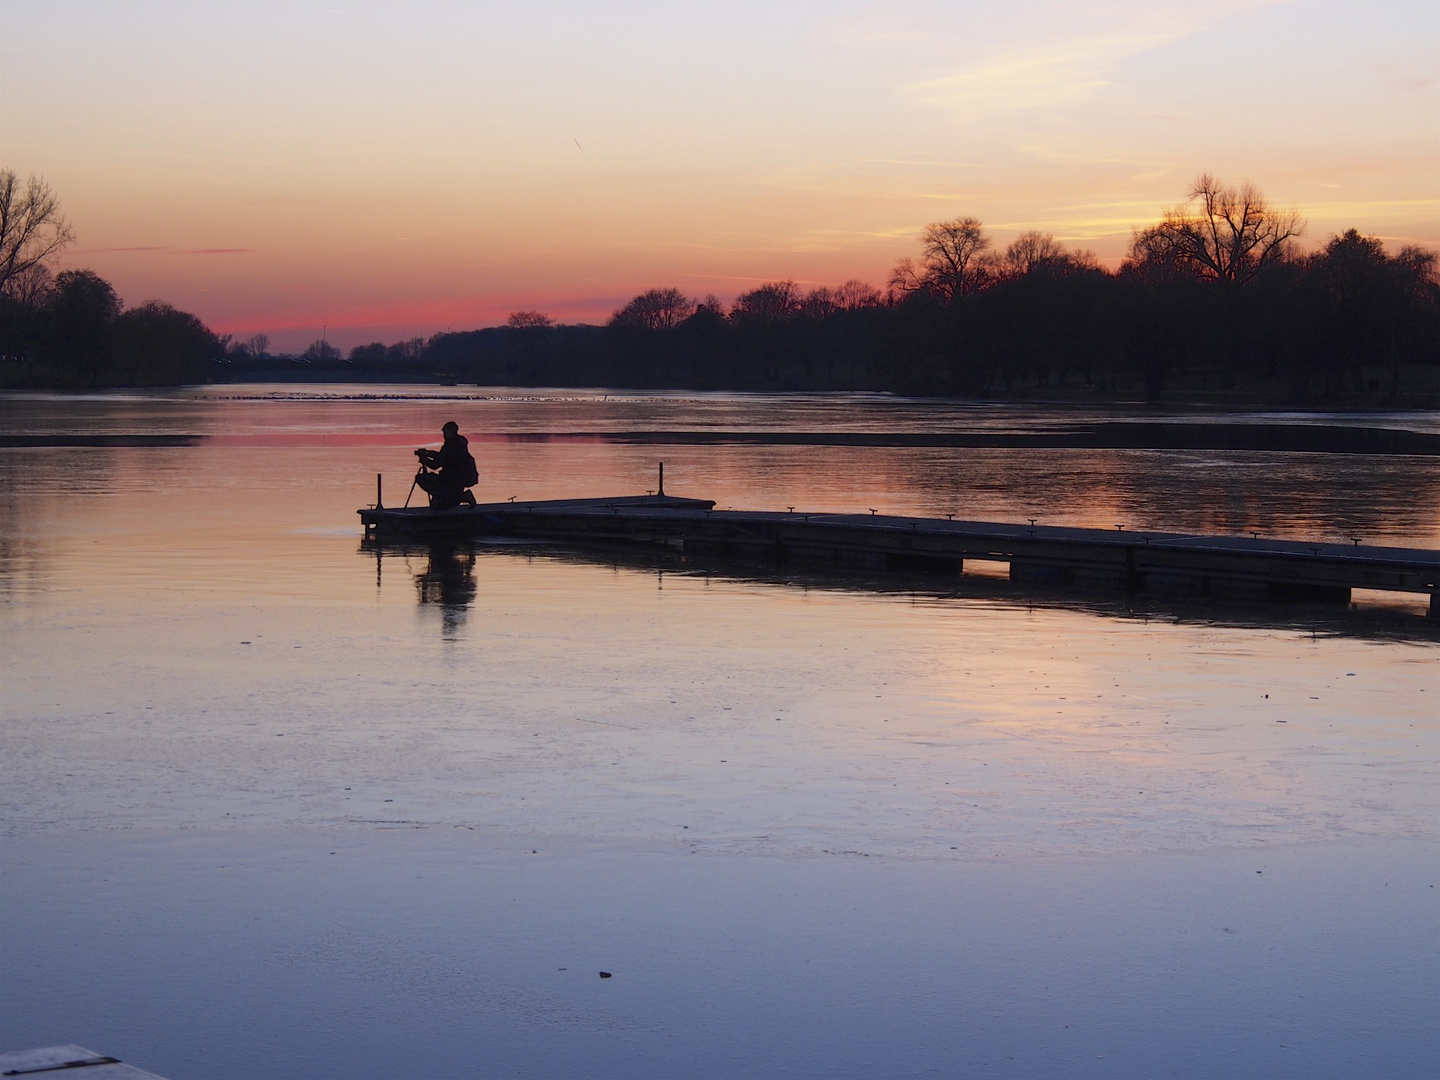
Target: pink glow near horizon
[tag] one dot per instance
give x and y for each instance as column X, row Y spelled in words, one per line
column 385, row 172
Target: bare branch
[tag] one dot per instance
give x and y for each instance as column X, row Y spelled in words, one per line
column 1232, row 236
column 952, row 251
column 772, row 302
column 656, row 309
column 855, row 294
column 32, row 229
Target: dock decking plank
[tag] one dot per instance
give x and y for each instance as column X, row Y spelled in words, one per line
column 1139, row 561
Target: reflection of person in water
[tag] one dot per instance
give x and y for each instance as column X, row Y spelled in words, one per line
column 454, row 470
column 449, row 581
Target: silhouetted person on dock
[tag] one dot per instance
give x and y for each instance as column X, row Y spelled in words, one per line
column 454, row 470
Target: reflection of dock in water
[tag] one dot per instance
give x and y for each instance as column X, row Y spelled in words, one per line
column 1221, row 568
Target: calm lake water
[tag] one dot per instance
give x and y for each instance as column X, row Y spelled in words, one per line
column 278, row 803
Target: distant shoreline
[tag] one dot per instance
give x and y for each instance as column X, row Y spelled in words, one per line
column 1422, row 390
column 1138, row 435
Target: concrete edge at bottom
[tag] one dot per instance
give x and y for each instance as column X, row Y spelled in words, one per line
column 74, row 1061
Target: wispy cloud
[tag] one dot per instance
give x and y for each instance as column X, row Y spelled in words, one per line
column 114, row 250
column 1372, row 207
column 1406, row 82
column 1064, row 71
column 162, row 250
column 918, row 162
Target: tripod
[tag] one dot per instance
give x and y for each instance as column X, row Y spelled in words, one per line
column 413, row 483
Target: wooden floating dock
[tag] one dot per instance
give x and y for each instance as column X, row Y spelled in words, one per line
column 1224, row 568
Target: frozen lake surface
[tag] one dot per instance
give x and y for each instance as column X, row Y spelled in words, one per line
column 276, row 803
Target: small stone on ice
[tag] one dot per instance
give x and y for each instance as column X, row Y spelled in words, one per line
column 605, row 974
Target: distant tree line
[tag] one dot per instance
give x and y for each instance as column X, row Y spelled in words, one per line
column 1214, row 301
column 71, row 329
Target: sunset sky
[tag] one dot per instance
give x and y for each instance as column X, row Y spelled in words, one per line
column 386, row 171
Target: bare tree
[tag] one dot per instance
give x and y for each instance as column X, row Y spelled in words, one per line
column 32, row 286
column 1232, row 235
column 772, row 302
column 257, row 344
column 1029, row 250
column 907, row 277
column 655, row 309
column 529, row 320
column 321, row 351
column 32, row 230
column 1033, row 252
column 1419, row 267
column 951, row 261
column 819, row 303
column 855, row 294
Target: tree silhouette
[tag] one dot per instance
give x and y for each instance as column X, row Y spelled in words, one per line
column 1232, row 236
column 80, row 308
column 155, row 345
column 773, row 302
column 321, row 351
column 854, row 295
column 951, row 261
column 32, row 232
column 819, row 303
column 655, row 309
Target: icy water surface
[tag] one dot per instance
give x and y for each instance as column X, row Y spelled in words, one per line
column 276, row 803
